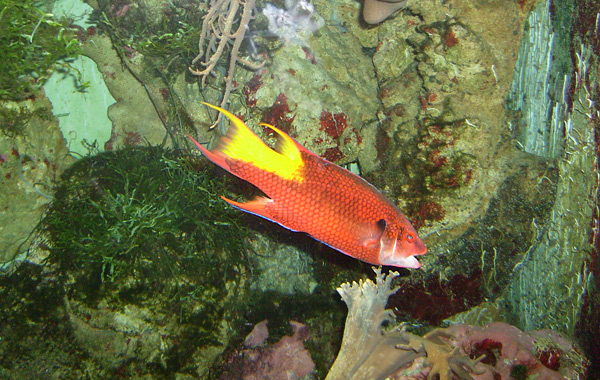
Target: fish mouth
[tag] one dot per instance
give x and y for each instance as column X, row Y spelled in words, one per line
column 389, row 256
column 405, row 262
column 413, row 262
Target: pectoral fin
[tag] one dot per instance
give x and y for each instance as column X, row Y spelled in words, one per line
column 372, row 235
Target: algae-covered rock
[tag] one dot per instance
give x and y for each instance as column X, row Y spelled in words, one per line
column 153, row 263
column 33, row 153
column 323, row 94
column 147, row 273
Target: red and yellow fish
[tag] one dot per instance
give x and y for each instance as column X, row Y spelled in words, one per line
column 310, row 194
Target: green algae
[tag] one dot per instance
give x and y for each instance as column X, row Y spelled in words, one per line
column 14, row 119
column 142, row 234
column 32, row 42
column 165, row 35
column 142, row 212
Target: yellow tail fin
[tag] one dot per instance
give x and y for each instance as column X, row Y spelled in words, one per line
column 240, row 143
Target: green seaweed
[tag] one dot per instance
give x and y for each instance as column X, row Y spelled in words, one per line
column 145, row 226
column 144, row 216
column 14, row 119
column 35, row 339
column 167, row 40
column 518, row 372
column 32, row 45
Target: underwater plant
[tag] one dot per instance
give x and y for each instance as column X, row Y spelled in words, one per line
column 32, row 42
column 138, row 237
column 144, row 213
column 14, row 119
column 166, row 39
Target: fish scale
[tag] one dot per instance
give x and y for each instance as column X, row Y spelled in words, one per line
column 309, row 194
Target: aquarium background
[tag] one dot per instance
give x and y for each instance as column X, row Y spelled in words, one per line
column 479, row 119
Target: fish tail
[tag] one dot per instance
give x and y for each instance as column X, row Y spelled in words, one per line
column 215, row 158
column 240, row 143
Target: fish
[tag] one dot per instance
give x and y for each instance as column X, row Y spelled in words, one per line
column 307, row 193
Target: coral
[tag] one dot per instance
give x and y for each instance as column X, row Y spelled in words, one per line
column 219, row 35
column 367, row 352
column 295, row 23
column 443, row 359
column 460, row 351
column 283, row 360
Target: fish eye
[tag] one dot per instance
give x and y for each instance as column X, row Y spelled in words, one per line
column 410, row 237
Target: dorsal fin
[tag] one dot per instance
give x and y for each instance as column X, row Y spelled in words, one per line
column 285, row 144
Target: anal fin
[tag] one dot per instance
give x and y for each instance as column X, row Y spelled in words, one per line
column 256, row 206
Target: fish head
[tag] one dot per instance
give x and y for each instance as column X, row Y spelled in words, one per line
column 399, row 244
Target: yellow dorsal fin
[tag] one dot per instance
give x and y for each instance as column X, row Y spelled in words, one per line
column 285, row 144
column 240, row 143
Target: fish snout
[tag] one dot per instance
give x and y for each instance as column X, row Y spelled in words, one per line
column 417, row 247
column 401, row 251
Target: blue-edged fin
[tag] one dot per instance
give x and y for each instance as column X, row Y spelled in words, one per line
column 258, row 208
